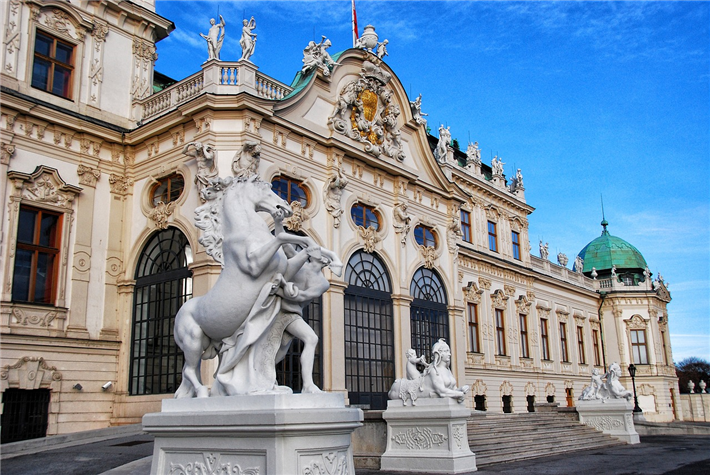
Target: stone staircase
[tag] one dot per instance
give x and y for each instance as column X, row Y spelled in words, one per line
column 496, row 438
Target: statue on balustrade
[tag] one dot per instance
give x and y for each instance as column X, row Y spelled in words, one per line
column 248, row 39
column 215, row 38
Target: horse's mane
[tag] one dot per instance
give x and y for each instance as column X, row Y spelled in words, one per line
column 208, row 217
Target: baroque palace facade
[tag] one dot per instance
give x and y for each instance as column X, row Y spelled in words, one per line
column 99, row 245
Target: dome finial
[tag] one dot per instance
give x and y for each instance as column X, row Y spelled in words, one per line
column 604, row 222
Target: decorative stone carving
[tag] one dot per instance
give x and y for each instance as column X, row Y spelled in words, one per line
column 499, row 299
column 506, row 389
column 144, row 56
column 517, row 182
column 368, row 40
column 509, row 290
column 401, row 221
column 364, row 112
column 562, row 259
column 369, row 238
column 88, row 176
column 453, row 233
column 436, row 381
column 29, row 372
column 471, row 293
column 594, row 273
column 428, row 254
column 119, row 184
column 484, row 283
column 207, row 169
column 214, row 38
column 549, row 389
column 544, row 250
column 416, row 438
column 609, row 389
column 523, row 305
column 578, row 264
column 328, row 463
column 44, row 185
column 332, row 195
column 246, row 161
column 6, row 152
column 473, row 155
column 479, row 387
column 636, row 322
column 42, row 319
column 161, row 213
column 250, row 325
column 316, row 56
column 248, row 39
column 497, row 166
column 12, row 36
column 295, row 222
column 418, row 115
column 210, row 463
column 442, row 147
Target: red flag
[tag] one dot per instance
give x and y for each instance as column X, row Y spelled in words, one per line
column 355, row 33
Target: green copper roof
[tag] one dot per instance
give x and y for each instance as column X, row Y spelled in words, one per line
column 607, row 250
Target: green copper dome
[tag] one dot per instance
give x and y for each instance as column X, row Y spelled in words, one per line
column 607, row 251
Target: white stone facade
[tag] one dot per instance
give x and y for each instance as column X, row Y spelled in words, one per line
column 94, row 160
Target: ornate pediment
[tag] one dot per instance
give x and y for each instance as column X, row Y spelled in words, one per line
column 522, row 305
column 471, row 293
column 44, row 185
column 499, row 299
column 365, row 112
column 29, row 372
column 636, row 323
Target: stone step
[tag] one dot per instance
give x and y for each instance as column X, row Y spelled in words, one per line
column 531, row 444
column 484, row 458
column 529, row 439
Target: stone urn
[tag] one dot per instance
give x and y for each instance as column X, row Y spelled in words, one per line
column 691, row 386
column 702, row 385
column 369, row 38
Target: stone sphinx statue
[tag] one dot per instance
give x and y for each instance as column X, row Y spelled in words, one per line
column 609, row 389
column 436, row 381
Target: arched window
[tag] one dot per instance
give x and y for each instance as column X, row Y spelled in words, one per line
column 425, row 236
column 167, row 189
column 429, row 315
column 290, row 190
column 163, row 284
column 369, row 334
column 365, row 216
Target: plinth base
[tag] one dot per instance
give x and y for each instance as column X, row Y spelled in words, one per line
column 430, row 437
column 264, row 434
column 611, row 416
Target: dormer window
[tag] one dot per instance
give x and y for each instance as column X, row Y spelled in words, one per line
column 53, row 65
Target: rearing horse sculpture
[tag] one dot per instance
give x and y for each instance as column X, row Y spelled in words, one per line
column 233, row 319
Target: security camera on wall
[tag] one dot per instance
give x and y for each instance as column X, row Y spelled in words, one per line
column 106, row 386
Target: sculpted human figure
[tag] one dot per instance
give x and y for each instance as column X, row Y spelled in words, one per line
column 417, row 113
column 593, row 390
column 497, row 166
column 401, row 221
column 578, row 264
column 246, row 160
column 315, row 55
column 333, row 192
column 613, row 270
column 518, row 180
column 443, row 144
column 204, row 155
column 544, row 250
column 473, row 154
column 214, row 38
column 248, row 39
column 382, row 49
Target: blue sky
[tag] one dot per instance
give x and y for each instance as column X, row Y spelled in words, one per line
column 587, row 98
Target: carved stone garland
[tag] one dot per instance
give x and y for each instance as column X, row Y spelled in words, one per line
column 365, row 112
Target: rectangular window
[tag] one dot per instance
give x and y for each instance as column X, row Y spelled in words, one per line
column 466, row 225
column 564, row 354
column 500, row 333
column 37, row 256
column 638, row 346
column 53, row 65
column 665, row 350
column 473, row 341
column 597, row 352
column 492, row 237
column 516, row 245
column 580, row 345
column 524, row 349
column 544, row 339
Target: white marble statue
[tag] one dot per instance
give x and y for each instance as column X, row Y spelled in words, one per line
column 401, row 221
column 246, row 161
column 562, row 259
column 332, row 195
column 518, row 181
column 249, row 328
column 578, row 264
column 214, row 38
column 442, row 146
column 437, row 380
column 613, row 270
column 497, row 166
column 544, row 250
column 609, row 389
column 417, row 114
column 248, row 39
column 382, row 49
column 368, row 40
column 316, row 56
column 207, row 169
column 473, row 154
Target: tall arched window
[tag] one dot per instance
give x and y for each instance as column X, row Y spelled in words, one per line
column 369, row 334
column 430, row 317
column 163, row 284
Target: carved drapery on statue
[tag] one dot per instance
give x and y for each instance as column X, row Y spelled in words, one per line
column 365, row 112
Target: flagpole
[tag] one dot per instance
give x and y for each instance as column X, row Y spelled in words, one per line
column 354, row 21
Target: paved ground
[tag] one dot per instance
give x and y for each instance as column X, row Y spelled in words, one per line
column 673, row 455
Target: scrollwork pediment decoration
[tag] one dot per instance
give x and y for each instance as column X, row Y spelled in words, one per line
column 636, row 323
column 471, row 293
column 44, row 185
column 369, row 238
column 506, row 389
column 365, row 112
column 484, row 283
column 543, row 312
column 499, row 299
column 522, row 305
column 29, row 372
column 428, row 254
column 161, row 213
column 479, row 387
column 562, row 315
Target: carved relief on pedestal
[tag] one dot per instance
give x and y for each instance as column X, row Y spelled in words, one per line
column 417, row 438
column 212, row 463
column 325, row 463
column 364, row 112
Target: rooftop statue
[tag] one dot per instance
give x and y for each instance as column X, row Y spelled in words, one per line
column 544, row 250
column 609, row 389
column 436, row 381
column 497, row 166
column 473, row 154
column 251, row 328
column 248, row 39
column 562, row 259
column 442, row 146
column 382, row 49
column 417, row 113
column 519, row 180
column 214, row 38
column 578, row 264
column 315, row 56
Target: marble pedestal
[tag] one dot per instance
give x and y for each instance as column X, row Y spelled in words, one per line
column 611, row 416
column 430, row 437
column 264, row 434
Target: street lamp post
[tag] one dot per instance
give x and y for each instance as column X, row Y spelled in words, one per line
column 632, row 372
